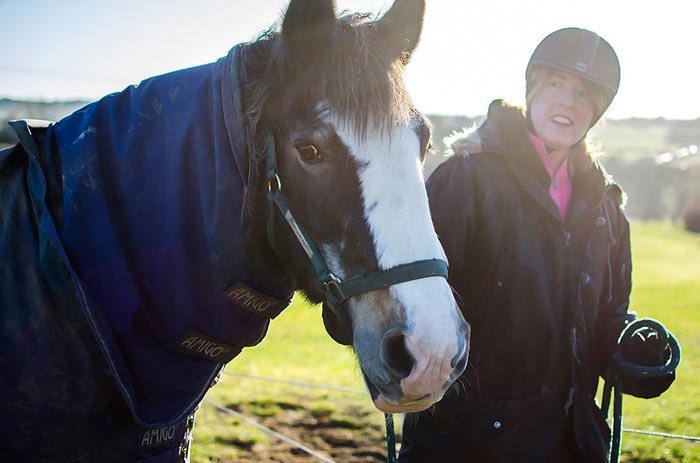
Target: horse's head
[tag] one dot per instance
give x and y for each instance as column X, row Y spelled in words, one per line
column 349, row 147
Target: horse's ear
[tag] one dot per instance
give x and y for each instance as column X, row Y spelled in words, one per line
column 307, row 24
column 401, row 26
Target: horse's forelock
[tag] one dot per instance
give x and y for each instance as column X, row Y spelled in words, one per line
column 361, row 80
column 356, row 76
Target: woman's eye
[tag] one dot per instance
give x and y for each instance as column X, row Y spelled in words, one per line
column 309, row 153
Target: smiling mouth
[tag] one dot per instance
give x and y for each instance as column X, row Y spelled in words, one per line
column 562, row 120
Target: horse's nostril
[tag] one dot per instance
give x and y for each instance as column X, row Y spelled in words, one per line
column 396, row 356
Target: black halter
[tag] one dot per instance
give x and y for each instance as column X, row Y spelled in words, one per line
column 337, row 291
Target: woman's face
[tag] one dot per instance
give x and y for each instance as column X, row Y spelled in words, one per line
column 561, row 110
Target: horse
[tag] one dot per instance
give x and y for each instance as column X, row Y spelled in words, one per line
column 150, row 236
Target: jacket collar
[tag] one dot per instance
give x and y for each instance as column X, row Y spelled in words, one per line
column 505, row 133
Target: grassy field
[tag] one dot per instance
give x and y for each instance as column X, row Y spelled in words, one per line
column 666, row 287
column 630, row 142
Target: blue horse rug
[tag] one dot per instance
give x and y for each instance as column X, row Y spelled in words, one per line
column 124, row 284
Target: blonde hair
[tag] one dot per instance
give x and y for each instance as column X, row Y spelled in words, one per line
column 537, row 78
column 539, row 75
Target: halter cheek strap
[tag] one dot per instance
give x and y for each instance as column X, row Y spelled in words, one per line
column 337, row 290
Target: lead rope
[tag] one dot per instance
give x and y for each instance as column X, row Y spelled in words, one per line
column 390, row 438
column 618, row 366
column 614, row 383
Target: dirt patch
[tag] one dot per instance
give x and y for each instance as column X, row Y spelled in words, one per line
column 344, row 435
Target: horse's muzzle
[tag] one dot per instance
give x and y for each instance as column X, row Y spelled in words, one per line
column 418, row 378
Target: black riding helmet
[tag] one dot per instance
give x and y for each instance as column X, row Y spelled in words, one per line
column 583, row 53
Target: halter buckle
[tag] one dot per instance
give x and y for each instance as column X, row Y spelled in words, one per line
column 333, row 287
column 274, row 183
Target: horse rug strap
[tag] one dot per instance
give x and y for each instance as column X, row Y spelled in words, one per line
column 177, row 438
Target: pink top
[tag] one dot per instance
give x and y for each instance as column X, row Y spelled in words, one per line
column 560, row 187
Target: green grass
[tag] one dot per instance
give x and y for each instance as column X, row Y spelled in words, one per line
column 295, row 348
column 666, row 287
column 666, row 276
column 630, row 142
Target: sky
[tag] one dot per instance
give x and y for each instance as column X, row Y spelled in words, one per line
column 470, row 52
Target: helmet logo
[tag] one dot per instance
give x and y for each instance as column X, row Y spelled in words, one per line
column 581, row 66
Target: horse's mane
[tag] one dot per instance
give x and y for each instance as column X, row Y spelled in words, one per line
column 357, row 76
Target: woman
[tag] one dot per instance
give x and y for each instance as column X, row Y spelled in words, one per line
column 539, row 253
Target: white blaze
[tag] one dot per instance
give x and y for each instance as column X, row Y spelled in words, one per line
column 397, row 212
column 393, row 194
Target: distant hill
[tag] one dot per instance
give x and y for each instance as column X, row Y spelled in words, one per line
column 656, row 161
column 51, row 111
column 630, row 139
column 659, row 187
column 14, row 109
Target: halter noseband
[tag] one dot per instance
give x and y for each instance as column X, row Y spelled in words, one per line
column 337, row 291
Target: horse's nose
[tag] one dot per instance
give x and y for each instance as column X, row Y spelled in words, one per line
column 395, row 354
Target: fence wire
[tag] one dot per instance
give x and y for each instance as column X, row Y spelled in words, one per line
column 356, row 392
column 296, row 383
column 662, row 434
column 269, row 431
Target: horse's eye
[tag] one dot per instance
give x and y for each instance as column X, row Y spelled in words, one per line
column 309, row 153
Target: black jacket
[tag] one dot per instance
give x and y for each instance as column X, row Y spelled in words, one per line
column 546, row 300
